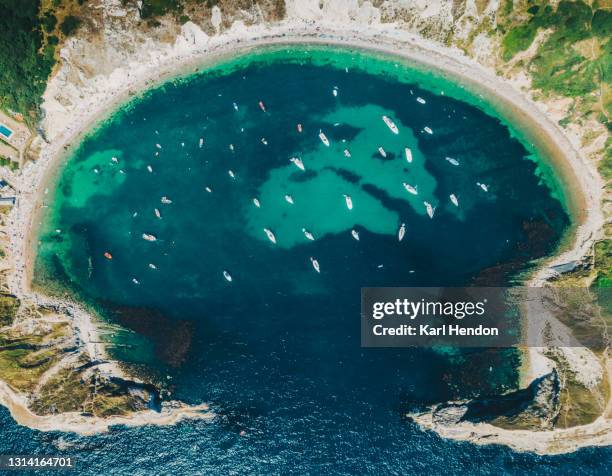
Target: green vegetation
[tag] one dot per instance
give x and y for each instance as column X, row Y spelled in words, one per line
column 8, row 309
column 11, row 164
column 70, row 25
column 153, row 8
column 25, row 61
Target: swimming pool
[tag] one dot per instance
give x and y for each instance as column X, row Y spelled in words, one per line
column 5, row 131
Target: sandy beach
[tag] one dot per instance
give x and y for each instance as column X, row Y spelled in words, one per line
column 193, row 49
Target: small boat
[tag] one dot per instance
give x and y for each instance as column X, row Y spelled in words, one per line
column 430, row 209
column 483, row 186
column 262, row 106
column 452, row 161
column 349, row 202
column 135, row 281
column 256, row 203
column 408, row 153
column 401, row 232
column 347, row 153
column 335, row 91
column 152, row 266
column 299, row 128
column 390, row 124
column 235, row 106
column 227, row 276
column 270, row 235
column 315, row 264
column 307, row 234
column 157, row 213
column 208, row 189
column 421, row 100
column 96, row 171
column 355, row 234
column 107, row 255
column 121, row 171
column 231, row 174
column 410, row 188
column 264, row 141
column 148, row 237
column 115, row 160
column 149, row 168
column 298, row 163
column 201, row 143
column 134, row 215
column 323, row 138
column 289, row 199
column 231, row 147
column 158, row 146
column 453, row 198
column 166, row 200
column 428, row 130
column 382, row 152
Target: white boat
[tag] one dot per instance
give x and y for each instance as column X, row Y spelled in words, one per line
column 307, row 234
column 382, row 152
column 235, row 106
column 148, row 237
column 115, row 160
column 231, row 174
column 355, row 234
column 270, row 235
column 152, row 266
column 262, row 106
column 452, row 161
column 297, row 162
column 289, row 199
column 135, row 281
column 201, row 143
column 157, row 213
column 256, row 203
column 158, row 146
column 166, row 200
column 421, row 100
column 401, row 232
column 231, row 147
column 264, row 141
column 410, row 188
column 428, row 130
column 227, row 276
column 453, row 198
column 335, row 91
column 483, row 186
column 347, row 153
column 208, row 189
column 408, row 153
column 299, row 128
column 391, row 125
column 430, row 209
column 323, row 138
column 315, row 264
column 149, row 168
column 349, row 202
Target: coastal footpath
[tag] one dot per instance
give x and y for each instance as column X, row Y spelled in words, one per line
column 120, row 50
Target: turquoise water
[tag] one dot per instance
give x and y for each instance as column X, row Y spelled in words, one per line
column 276, row 351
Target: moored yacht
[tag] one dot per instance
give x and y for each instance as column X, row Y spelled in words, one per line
column 347, row 153
column 289, row 199
column 430, row 209
column 315, row 264
column 453, row 199
column 323, row 138
column 297, row 162
column 390, row 124
column 452, row 161
column 262, row 106
column 307, row 234
column 256, row 203
column 148, row 237
column 420, row 100
column 165, row 200
column 483, row 186
column 349, row 202
column 410, row 188
column 408, row 153
column 428, row 130
column 355, row 234
column 401, row 232
column 227, row 276
column 270, row 235
column 382, row 152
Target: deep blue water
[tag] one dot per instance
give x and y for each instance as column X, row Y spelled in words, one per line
column 277, row 352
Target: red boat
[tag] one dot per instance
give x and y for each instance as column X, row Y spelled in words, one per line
column 107, row 255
